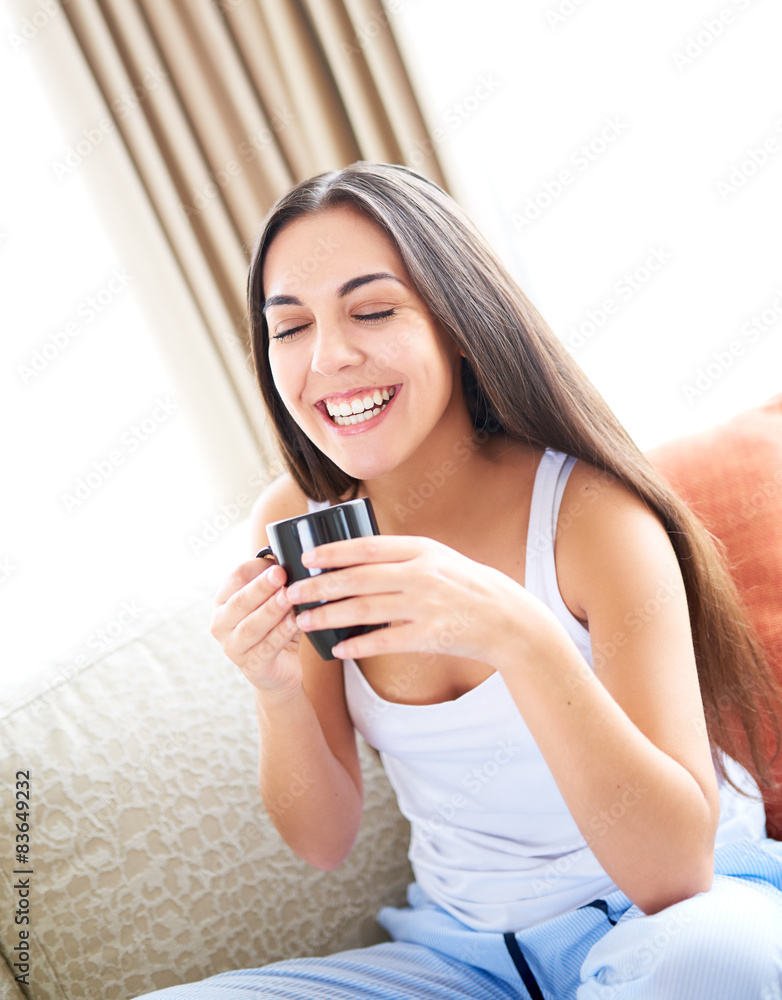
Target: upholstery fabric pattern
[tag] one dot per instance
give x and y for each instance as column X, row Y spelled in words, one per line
column 9, row 988
column 731, row 477
column 154, row 860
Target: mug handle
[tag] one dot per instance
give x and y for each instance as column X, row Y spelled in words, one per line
column 266, row 553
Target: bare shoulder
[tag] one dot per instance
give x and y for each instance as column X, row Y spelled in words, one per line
column 281, row 499
column 591, row 489
column 606, row 534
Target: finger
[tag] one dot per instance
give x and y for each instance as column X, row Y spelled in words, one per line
column 373, row 548
column 375, row 610
column 275, row 638
column 245, row 573
column 257, row 623
column 349, row 582
column 252, row 596
column 396, row 639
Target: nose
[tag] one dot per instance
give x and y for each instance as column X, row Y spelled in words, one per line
column 334, row 350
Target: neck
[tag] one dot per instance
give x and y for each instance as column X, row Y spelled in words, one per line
column 431, row 498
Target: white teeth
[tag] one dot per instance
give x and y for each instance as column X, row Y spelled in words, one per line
column 359, row 418
column 359, row 410
column 359, row 405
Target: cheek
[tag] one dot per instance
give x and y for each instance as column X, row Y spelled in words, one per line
column 286, row 380
column 439, row 370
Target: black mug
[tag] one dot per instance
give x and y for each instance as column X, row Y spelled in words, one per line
column 292, row 537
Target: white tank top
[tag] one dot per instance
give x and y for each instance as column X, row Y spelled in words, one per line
column 492, row 840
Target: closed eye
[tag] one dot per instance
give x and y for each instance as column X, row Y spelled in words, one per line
column 374, row 317
column 289, row 333
column 369, row 318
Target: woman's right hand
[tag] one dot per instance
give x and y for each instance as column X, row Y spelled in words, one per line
column 254, row 623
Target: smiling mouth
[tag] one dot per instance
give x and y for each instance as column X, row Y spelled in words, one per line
column 370, row 408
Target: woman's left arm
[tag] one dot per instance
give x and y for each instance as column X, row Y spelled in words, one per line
column 627, row 743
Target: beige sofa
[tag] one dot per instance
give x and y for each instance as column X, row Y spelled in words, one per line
column 153, row 860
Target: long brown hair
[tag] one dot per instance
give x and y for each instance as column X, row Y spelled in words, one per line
column 520, row 380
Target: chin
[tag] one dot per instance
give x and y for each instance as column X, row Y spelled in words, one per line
column 363, row 471
column 375, row 462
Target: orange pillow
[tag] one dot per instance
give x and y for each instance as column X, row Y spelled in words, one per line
column 731, row 477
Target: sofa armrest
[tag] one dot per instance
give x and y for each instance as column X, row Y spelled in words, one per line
column 154, row 860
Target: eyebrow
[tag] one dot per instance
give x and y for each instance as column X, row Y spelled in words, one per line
column 342, row 291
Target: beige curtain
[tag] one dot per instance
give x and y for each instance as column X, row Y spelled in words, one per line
column 223, row 105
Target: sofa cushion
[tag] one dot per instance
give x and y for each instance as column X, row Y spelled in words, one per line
column 154, row 860
column 731, row 477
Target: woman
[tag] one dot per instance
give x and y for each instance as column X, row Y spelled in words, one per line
column 553, row 717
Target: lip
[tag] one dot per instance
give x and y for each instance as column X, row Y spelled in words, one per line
column 363, row 427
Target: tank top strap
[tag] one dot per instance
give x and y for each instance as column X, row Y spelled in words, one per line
column 313, row 505
column 540, row 576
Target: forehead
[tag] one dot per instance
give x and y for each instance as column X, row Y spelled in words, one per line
column 318, row 253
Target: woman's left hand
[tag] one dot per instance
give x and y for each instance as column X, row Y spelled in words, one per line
column 435, row 599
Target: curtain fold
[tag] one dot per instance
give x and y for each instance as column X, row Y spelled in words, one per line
column 223, row 105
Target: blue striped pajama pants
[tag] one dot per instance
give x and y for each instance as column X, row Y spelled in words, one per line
column 725, row 944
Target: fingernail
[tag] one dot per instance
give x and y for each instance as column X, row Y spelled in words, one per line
column 303, row 619
column 282, row 597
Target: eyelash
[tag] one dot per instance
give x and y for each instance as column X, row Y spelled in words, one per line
column 368, row 318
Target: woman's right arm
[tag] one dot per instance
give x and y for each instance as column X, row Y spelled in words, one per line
column 310, row 776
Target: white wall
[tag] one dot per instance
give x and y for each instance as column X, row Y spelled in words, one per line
column 513, row 91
